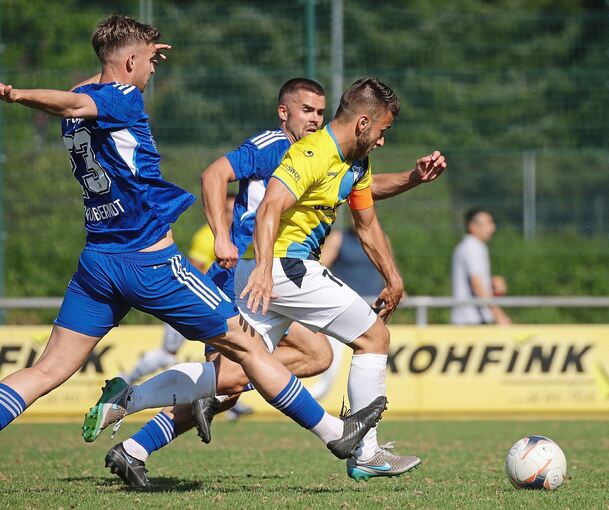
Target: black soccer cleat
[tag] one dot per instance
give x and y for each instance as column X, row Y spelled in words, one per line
column 132, row 471
column 356, row 426
column 203, row 412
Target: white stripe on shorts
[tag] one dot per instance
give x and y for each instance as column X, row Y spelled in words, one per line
column 194, row 284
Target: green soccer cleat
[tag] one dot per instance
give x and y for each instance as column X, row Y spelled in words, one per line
column 110, row 408
column 383, row 463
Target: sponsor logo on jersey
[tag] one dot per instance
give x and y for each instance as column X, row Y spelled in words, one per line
column 104, row 211
column 291, row 170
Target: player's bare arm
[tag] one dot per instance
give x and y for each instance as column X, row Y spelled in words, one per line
column 214, row 187
column 277, row 199
column 427, row 169
column 67, row 105
column 374, row 243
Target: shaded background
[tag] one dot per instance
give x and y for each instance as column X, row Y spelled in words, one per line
column 505, row 89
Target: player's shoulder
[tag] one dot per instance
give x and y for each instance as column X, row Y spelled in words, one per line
column 270, row 140
column 312, row 147
column 118, row 93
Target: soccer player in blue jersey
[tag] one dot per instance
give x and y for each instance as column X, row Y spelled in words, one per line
column 130, row 260
column 301, row 105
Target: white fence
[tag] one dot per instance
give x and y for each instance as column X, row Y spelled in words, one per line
column 421, row 304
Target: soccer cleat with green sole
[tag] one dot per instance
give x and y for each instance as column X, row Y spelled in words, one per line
column 110, row 408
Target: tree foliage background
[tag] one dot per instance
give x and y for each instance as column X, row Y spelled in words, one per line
column 482, row 81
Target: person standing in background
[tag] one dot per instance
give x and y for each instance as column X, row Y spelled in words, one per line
column 471, row 273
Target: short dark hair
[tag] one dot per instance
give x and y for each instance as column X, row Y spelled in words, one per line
column 296, row 84
column 368, row 94
column 470, row 216
column 117, row 31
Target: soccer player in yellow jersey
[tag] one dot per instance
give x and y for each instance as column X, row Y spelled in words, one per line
column 286, row 283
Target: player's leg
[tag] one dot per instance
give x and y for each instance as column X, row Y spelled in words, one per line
column 308, row 293
column 327, row 378
column 163, row 357
column 127, row 459
column 64, row 354
column 82, row 321
column 243, row 346
column 303, row 352
column 284, row 391
column 194, row 306
column 366, row 381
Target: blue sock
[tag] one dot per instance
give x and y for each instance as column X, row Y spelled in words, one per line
column 296, row 402
column 11, row 405
column 248, row 387
column 156, row 433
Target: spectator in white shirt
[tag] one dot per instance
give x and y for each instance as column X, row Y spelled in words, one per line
column 471, row 273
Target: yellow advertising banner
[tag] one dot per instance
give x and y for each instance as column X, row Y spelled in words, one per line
column 532, row 369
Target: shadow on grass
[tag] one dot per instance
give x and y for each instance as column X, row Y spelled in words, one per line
column 226, row 485
column 159, row 484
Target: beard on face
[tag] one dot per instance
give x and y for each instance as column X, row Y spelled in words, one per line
column 362, row 145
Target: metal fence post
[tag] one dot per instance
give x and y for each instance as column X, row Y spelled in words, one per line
column 529, row 206
column 422, row 315
column 310, row 39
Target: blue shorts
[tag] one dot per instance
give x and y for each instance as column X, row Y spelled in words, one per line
column 162, row 283
column 223, row 278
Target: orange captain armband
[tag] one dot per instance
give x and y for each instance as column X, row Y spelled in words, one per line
column 360, row 199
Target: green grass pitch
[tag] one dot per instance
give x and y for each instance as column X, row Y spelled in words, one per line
column 271, row 465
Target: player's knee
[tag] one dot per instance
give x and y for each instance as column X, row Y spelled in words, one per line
column 375, row 340
column 320, row 358
column 230, row 377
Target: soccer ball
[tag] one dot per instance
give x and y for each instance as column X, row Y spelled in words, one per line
column 536, row 462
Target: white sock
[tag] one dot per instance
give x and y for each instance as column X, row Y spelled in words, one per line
column 135, row 449
column 150, row 362
column 329, row 428
column 182, row 384
column 366, row 382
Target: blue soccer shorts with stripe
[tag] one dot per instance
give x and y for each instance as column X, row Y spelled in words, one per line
column 162, row 283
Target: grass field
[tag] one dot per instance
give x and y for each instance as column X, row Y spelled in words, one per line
column 255, row 464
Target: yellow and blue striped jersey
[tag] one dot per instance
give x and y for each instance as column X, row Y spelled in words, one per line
column 316, row 172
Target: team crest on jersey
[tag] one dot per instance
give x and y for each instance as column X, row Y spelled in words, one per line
column 308, row 153
column 359, row 169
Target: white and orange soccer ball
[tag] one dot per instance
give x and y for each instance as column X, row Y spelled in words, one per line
column 536, row 462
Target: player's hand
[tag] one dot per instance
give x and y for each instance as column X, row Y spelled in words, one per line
column 226, row 253
column 160, row 47
column 430, row 167
column 389, row 299
column 260, row 289
column 7, row 93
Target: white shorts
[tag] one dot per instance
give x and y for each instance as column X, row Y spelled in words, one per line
column 310, row 294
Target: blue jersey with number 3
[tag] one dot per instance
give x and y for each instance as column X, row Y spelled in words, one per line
column 128, row 205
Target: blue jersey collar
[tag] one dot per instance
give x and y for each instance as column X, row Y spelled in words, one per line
column 331, row 133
